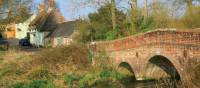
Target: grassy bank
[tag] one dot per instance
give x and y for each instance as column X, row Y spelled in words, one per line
column 74, row 66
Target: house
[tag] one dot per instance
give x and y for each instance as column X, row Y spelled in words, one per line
column 43, row 25
column 22, row 29
column 62, row 35
column 16, row 31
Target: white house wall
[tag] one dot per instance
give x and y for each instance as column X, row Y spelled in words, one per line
column 37, row 38
column 23, row 28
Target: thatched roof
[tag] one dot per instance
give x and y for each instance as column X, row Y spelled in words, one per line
column 47, row 20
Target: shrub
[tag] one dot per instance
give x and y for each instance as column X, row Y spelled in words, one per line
column 38, row 84
column 88, row 80
column 19, row 85
column 105, row 74
column 113, row 34
column 71, row 78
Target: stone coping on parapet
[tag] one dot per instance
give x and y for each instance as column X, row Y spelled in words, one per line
column 156, row 30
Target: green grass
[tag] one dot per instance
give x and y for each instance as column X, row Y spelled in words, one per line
column 35, row 84
column 96, row 78
column 69, row 79
column 2, row 53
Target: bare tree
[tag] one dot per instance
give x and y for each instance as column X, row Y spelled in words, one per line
column 97, row 4
column 14, row 10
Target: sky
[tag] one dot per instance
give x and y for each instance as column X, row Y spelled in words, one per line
column 71, row 10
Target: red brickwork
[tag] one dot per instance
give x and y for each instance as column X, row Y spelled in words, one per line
column 178, row 47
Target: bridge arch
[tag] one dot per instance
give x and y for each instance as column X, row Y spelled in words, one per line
column 127, row 67
column 163, row 65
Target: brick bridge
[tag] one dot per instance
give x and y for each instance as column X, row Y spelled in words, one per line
column 155, row 54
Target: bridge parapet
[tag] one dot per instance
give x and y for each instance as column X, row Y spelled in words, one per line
column 155, row 37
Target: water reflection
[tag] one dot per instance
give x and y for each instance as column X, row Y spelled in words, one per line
column 130, row 83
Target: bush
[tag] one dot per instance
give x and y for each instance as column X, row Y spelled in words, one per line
column 113, row 34
column 105, row 74
column 88, row 80
column 19, row 85
column 71, row 78
column 38, row 84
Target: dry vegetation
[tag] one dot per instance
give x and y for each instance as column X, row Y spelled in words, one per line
column 73, row 66
column 19, row 68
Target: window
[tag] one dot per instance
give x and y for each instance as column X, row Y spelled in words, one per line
column 18, row 29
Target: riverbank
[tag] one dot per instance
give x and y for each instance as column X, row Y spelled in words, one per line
column 74, row 66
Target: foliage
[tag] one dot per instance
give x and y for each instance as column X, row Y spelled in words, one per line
column 19, row 85
column 105, row 74
column 113, row 34
column 143, row 25
column 103, row 16
column 35, row 84
column 16, row 10
column 70, row 78
column 99, row 26
column 93, row 77
column 192, row 20
column 85, row 31
column 88, row 80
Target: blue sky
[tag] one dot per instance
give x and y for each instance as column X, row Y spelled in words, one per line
column 71, row 11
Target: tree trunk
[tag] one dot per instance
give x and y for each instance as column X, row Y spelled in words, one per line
column 134, row 15
column 189, row 6
column 154, row 6
column 113, row 7
column 134, row 4
column 145, row 10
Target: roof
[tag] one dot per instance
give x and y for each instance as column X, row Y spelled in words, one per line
column 47, row 20
column 40, row 19
column 65, row 29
